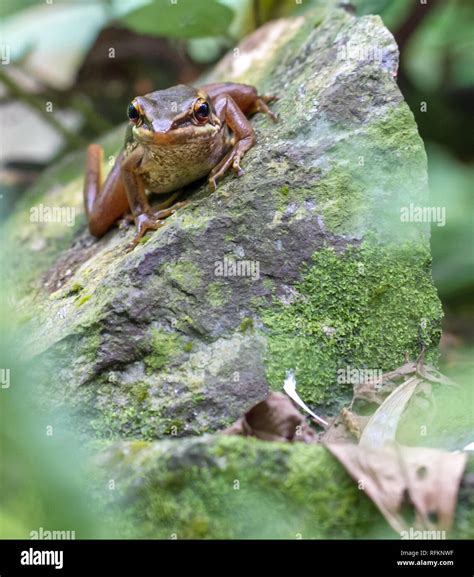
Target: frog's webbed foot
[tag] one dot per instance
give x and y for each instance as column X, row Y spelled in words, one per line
column 144, row 223
column 154, row 221
column 261, row 105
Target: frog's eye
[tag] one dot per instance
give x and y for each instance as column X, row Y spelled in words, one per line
column 201, row 110
column 133, row 112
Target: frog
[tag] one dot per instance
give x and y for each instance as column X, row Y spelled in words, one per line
column 174, row 137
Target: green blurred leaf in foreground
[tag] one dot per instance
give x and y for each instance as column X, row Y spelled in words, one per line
column 183, row 19
column 44, row 483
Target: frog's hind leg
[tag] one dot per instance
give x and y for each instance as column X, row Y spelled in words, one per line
column 245, row 96
column 104, row 205
column 261, row 103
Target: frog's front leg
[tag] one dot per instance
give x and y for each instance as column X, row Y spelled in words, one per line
column 145, row 217
column 232, row 102
column 142, row 212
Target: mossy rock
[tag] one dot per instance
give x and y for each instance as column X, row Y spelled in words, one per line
column 240, row 488
column 159, row 341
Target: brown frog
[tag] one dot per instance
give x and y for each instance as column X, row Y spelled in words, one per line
column 174, row 137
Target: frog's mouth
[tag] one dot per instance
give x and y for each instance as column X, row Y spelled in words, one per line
column 179, row 135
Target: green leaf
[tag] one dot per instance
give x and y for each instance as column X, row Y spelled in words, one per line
column 183, row 19
column 441, row 50
column 8, row 7
column 370, row 6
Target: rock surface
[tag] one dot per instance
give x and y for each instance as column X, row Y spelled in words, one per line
column 158, row 342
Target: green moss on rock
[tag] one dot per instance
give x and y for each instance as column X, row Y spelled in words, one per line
column 365, row 308
column 218, row 294
column 230, row 487
column 164, row 346
column 247, row 324
column 83, row 300
column 355, row 198
column 188, row 347
column 185, row 274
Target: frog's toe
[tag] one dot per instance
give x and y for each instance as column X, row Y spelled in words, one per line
column 165, row 213
column 144, row 224
column 262, row 106
column 212, row 183
column 239, row 171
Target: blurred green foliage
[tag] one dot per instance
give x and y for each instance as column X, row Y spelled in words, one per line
column 185, row 19
column 42, row 477
column 371, row 6
column 8, row 7
column 44, row 480
column 452, row 245
column 442, row 48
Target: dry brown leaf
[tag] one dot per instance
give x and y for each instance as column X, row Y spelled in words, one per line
column 396, row 476
column 382, row 427
column 434, row 501
column 431, row 374
column 355, row 423
column 377, row 390
column 369, row 392
column 393, row 391
column 347, row 427
column 274, row 419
